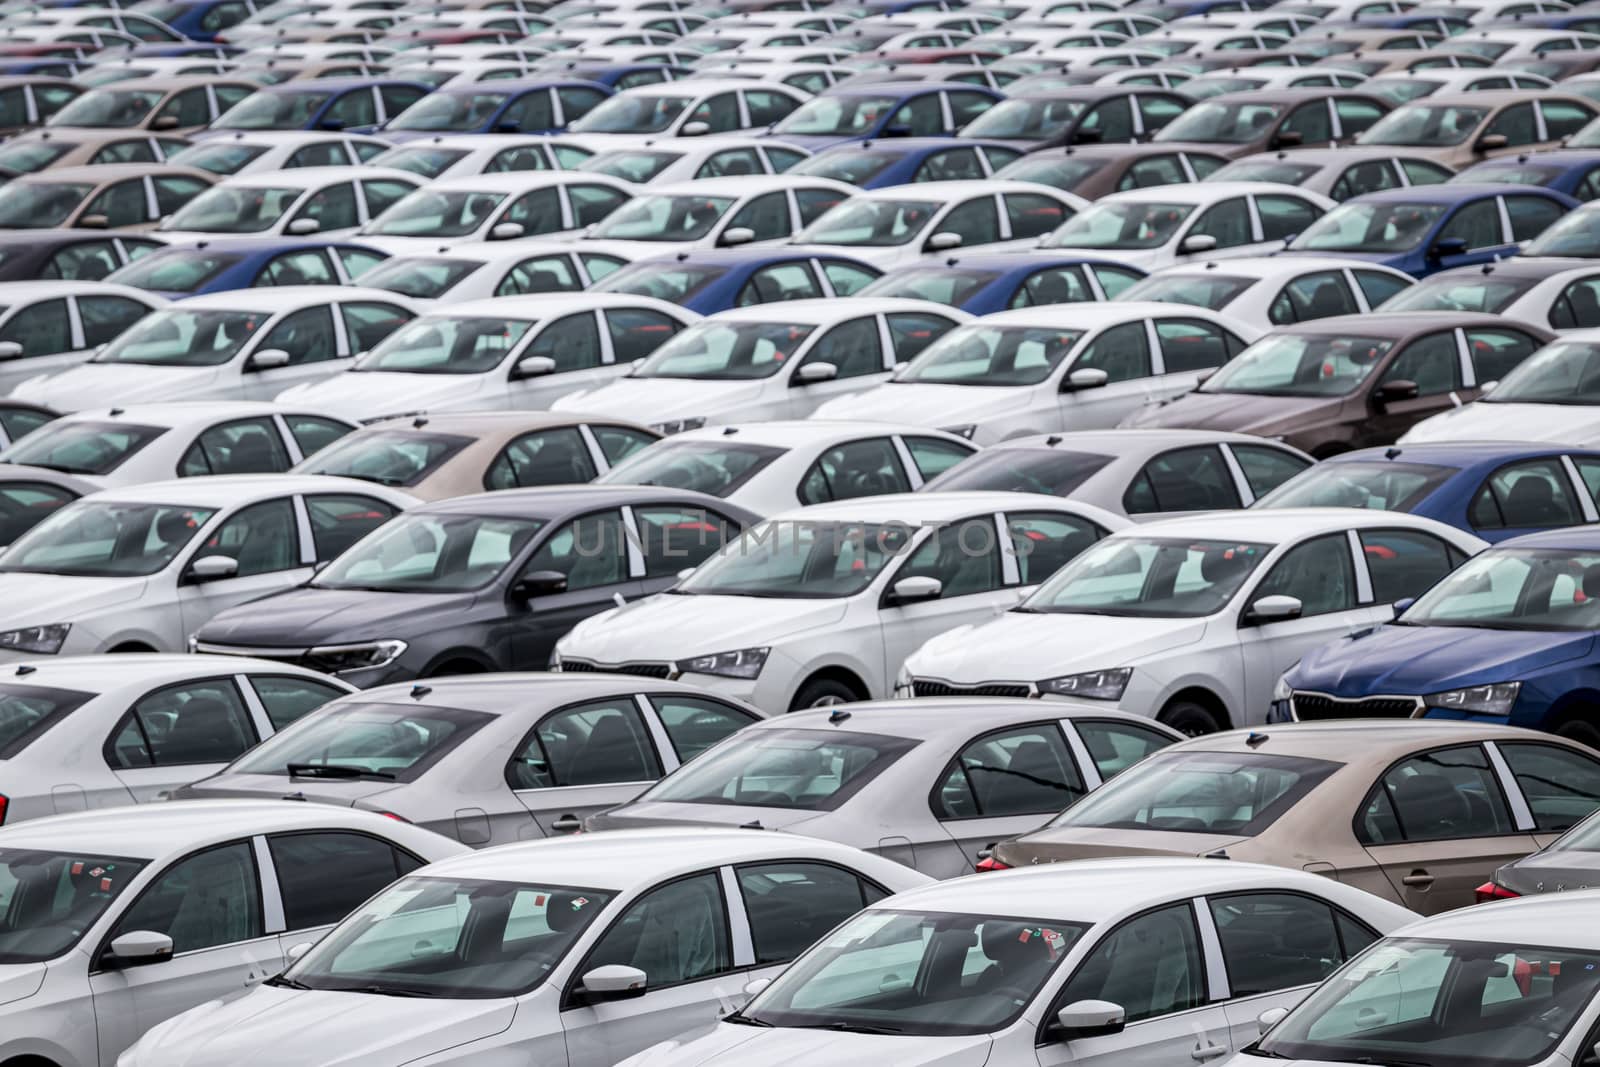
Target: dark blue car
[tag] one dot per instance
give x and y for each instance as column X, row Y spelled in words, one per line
column 620, row 76
column 178, row 50
column 716, row 280
column 1509, row 637
column 1573, row 172
column 216, row 266
column 901, row 160
column 199, row 20
column 357, row 105
column 1494, row 489
column 1006, row 281
column 522, row 105
column 889, row 109
column 1425, row 229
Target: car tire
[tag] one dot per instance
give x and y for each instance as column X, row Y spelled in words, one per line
column 1189, row 718
column 1580, row 730
column 820, row 693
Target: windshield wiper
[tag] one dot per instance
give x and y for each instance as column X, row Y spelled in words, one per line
column 1374, row 1061
column 335, row 770
column 744, row 1020
column 285, row 983
column 852, row 1028
column 391, row 991
column 377, row 479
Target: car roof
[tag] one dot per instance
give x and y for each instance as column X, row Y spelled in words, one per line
column 1274, row 525
column 538, row 305
column 1564, row 920
column 1095, row 315
column 105, row 173
column 273, row 299
column 1331, row 156
column 1460, row 454
column 912, row 509
column 793, row 433
column 28, row 290
column 551, row 502
column 1452, row 193
column 820, row 312
column 303, row 85
column 229, row 490
column 951, row 719
column 274, row 138
column 745, row 185
column 526, row 692
column 1376, row 740
column 312, row 177
column 1583, row 538
column 1400, row 323
column 1121, row 442
column 1268, row 266
column 1287, row 95
column 519, row 181
column 97, row 674
column 1570, row 158
column 486, row 423
column 951, row 190
column 694, row 87
column 178, row 413
column 1537, row 267
column 1194, row 192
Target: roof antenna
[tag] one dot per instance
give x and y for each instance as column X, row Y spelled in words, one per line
column 1391, row 453
column 838, row 716
column 1255, row 740
column 420, row 691
column 25, row 669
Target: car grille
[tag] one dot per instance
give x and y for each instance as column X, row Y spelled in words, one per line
column 1310, row 707
column 923, row 688
column 295, row 656
column 643, row 670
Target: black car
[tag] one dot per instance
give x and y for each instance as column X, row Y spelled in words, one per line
column 487, row 582
column 68, row 255
column 1084, row 114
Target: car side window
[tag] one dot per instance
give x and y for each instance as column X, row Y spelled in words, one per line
column 1578, row 306
column 1561, row 786
column 537, row 212
column 767, row 217
column 1266, row 468
column 369, row 322
column 694, row 724
column 1192, row 345
column 244, row 446
column 720, row 112
column 781, row 281
column 1113, row 280
column 869, row 467
column 262, row 538
column 1228, row 222
column 86, row 261
column 920, row 117
column 1478, row 224
column 1404, row 563
column 1022, row 770
column 354, row 108
column 190, row 108
column 590, row 550
column 532, row 112
column 23, row 505
column 911, row 332
column 1054, row 285
column 1313, row 296
column 540, row 274
column 1043, row 541
column 1432, row 362
column 572, row 342
column 766, row 107
column 324, row 875
column 1116, row 746
column 793, row 904
column 174, row 191
column 202, row 721
column 814, row 203
column 617, row 443
column 1151, row 171
column 976, row 222
column 1283, row 217
column 964, row 557
column 1355, row 115
column 673, row 538
column 675, row 933
column 1123, row 352
column 122, row 204
column 781, row 159
column 20, row 422
column 1496, row 353
column 1311, row 121
column 546, row 457
column 956, row 164
column 289, row 698
column 106, row 316
column 333, row 208
column 1532, row 494
column 527, row 157
column 637, row 332
column 933, row 456
column 131, row 151
column 320, row 154
column 307, row 267
column 847, row 278
column 1367, row 176
column 598, row 743
column 1437, row 796
column 1150, row 965
column 1318, row 573
column 1589, row 188
column 307, row 335
column 1033, row 214
column 340, row 520
column 852, row 347
column 1563, row 118
column 1273, row 941
column 1515, row 124
column 966, row 105
column 313, row 432
column 41, row 329
column 1184, row 479
column 733, row 162
column 591, row 203
column 1378, row 287
column 208, row 899
column 1530, row 215
column 382, row 195
column 357, row 261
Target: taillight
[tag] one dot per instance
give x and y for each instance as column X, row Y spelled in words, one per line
column 989, row 863
column 3, row 802
column 1490, row 891
column 392, row 815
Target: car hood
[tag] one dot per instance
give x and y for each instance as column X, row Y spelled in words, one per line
column 319, row 1028
column 1416, row 660
column 926, row 404
column 1242, row 412
column 632, row 250
column 341, row 792
column 19, row 981
column 883, row 256
column 1387, row 259
column 300, row 618
column 651, row 813
column 95, row 384
column 672, row 627
column 370, row 394
column 662, row 399
column 42, row 599
column 732, row 1045
column 1027, row 647
column 816, row 142
column 1060, row 844
column 1554, row 423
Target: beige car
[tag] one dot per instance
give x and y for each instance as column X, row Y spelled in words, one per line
column 180, row 104
column 1460, row 129
column 36, row 150
column 458, row 453
column 112, row 196
column 1417, row 811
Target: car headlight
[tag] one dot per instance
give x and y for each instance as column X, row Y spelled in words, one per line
column 672, row 426
column 745, row 663
column 46, row 640
column 336, row 659
column 966, row 430
column 1495, row 699
column 1091, row 685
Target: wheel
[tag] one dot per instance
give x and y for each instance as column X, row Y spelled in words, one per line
column 820, row 693
column 1190, row 719
column 1581, row 731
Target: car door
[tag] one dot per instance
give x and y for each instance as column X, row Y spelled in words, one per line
column 44, row 330
column 577, row 761
column 854, row 348
column 313, row 343
column 582, row 356
column 263, row 541
column 175, row 735
column 1431, row 363
column 1124, row 353
column 598, row 556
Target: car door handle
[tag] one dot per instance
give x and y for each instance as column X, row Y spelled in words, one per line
column 567, row 824
column 1209, row 1052
column 1418, row 880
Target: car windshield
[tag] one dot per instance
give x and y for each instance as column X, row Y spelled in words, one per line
column 81, row 446
column 118, row 108
column 436, row 213
column 1424, row 125
column 1380, row 485
column 428, row 553
column 1050, row 471
column 420, row 159
column 1149, row 578
column 870, row 222
column 234, row 209
column 384, row 741
column 1222, row 122
column 664, row 218
column 975, row 974
column 443, row 344
column 1574, row 234
column 218, row 157
column 849, row 164
column 1205, row 88
column 458, row 938
column 673, row 282
column 632, row 114
column 1038, row 119
column 1301, row 364
column 177, row 270
column 1208, row 290
column 25, row 156
column 179, row 337
column 53, row 898
column 1461, row 292
column 796, row 769
column 1065, row 173
column 455, row 112
column 837, row 115
column 105, row 539
column 715, row 467
column 426, row 278
column 637, row 165
column 943, row 285
column 39, row 205
column 26, row 712
column 1562, row 372
column 1264, row 170
column 808, row 560
column 981, row 355
column 1512, row 588
column 1438, row 1003
column 272, row 111
column 1370, row 227
column 388, row 457
column 1397, row 91
column 1128, row 225
column 724, row 351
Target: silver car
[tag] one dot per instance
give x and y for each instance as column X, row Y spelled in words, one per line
column 928, row 782
column 488, row 759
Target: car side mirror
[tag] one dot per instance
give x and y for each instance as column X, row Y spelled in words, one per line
column 164, row 122
column 1203, row 376
column 914, row 590
column 739, row 235
column 943, row 241
column 1197, row 243
column 94, row 222
column 695, row 129
column 268, row 359
column 1402, row 604
column 1483, row 390
column 533, row 367
column 898, row 130
column 813, row 373
column 1085, row 378
column 614, row 981
column 212, row 568
column 507, row 231
column 138, row 948
column 1490, row 142
column 538, row 583
column 296, row 951
column 1448, row 246
column 1270, row 1018
column 1399, row 389
column 508, row 127
column 1288, row 139
column 1089, row 1018
column 331, row 124
column 10, row 350
column 301, row 227
column 754, row 987
column 1273, row 609
column 1088, row 137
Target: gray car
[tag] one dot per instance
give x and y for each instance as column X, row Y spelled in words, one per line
column 487, row 760
column 926, row 782
column 1571, row 861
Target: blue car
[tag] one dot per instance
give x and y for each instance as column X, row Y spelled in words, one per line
column 355, row 105
column 981, row 284
column 522, row 105
column 1425, row 229
column 620, row 76
column 244, row 263
column 1493, row 489
column 901, row 160
column 1507, row 637
column 1573, row 172
column 48, row 66
column 199, row 20
column 179, row 50
column 716, row 280
column 889, row 109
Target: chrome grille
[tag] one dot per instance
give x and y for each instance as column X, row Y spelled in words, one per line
column 1312, row 707
column 923, row 688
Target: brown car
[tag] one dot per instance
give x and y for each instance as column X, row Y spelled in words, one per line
column 1459, row 129
column 1351, row 381
column 455, row 454
column 112, row 196
column 1417, row 811
column 181, row 104
column 37, row 150
column 1240, row 124
column 1092, row 171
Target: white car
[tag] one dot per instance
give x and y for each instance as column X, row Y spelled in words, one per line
column 893, row 226
column 1192, row 621
column 48, row 326
column 1103, row 963
column 715, row 213
column 159, row 442
column 243, row 344
column 1270, row 291
column 1339, row 173
column 614, row 942
column 690, row 108
column 89, row 732
column 142, row 913
column 770, row 467
column 494, row 207
column 455, row 273
column 1561, row 294
column 1402, row 87
column 1505, row 43
column 672, row 160
column 325, row 201
column 1167, row 224
column 140, row 569
column 1553, row 395
column 257, row 151
column 1053, row 367
column 769, row 361
column 462, row 155
column 510, row 352
column 822, row 605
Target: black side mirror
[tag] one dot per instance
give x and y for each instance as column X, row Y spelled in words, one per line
column 1288, row 139
column 1448, row 246
column 1398, row 389
column 1088, row 137
column 538, row 583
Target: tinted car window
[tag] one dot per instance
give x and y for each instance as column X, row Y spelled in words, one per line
column 212, row 898
column 289, row 698
column 1532, row 494
column 324, row 876
column 1025, row 770
column 1451, row 793
column 1404, row 563
column 1273, row 941
column 1561, row 786
column 187, row 723
column 1116, row 746
column 792, row 905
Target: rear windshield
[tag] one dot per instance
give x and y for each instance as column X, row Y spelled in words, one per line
column 1020, row 470
column 76, row 447
column 712, row 467
column 1355, row 484
column 805, row 770
column 387, row 457
column 27, row 711
column 373, row 742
